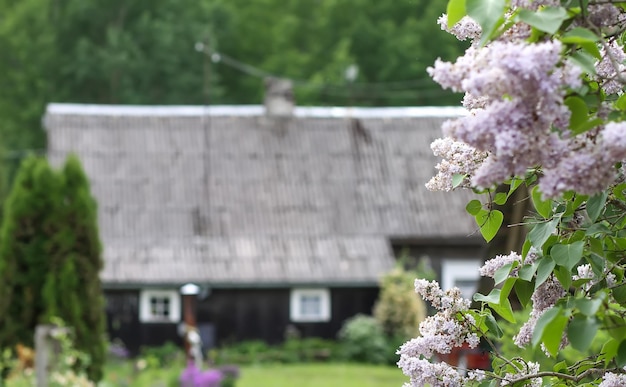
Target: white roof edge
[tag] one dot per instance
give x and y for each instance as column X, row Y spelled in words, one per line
column 251, row 110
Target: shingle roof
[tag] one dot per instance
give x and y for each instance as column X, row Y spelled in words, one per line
column 226, row 195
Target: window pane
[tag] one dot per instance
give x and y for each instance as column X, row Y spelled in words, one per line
column 310, row 305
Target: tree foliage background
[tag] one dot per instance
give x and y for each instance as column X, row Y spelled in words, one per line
column 50, row 259
column 143, row 52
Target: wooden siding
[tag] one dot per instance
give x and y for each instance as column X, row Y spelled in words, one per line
column 234, row 315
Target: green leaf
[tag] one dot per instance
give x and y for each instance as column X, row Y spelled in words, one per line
column 507, row 287
column 579, row 35
column 541, row 232
column 609, row 351
column 493, row 326
column 585, row 61
column 553, row 334
column 595, row 205
column 548, row 19
column 619, row 189
column 543, row 207
column 489, row 223
column 567, row 255
column 620, row 359
column 581, row 331
column 579, row 111
column 619, row 294
column 616, row 326
column 564, row 276
column 504, row 309
column 542, row 322
column 503, row 273
column 488, row 13
column 492, row 297
column 546, row 265
column 584, row 38
column 621, row 104
column 587, row 306
column 514, row 185
column 500, row 198
column 473, row 207
column 457, row 179
column 526, row 247
column 560, row 366
column 524, row 291
column 455, row 11
column 527, row 272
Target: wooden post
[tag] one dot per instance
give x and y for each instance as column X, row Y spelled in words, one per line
column 46, row 352
column 190, row 295
column 42, row 354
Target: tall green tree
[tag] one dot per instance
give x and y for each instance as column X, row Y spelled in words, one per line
column 26, row 228
column 73, row 290
column 50, row 259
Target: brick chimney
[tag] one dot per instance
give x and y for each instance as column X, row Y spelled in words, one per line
column 279, row 99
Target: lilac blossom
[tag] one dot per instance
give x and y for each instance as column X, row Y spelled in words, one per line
column 610, row 69
column 544, row 297
column 451, row 327
column 458, row 158
column 604, row 15
column 529, row 368
column 518, row 119
column 534, row 4
column 611, row 379
column 491, row 266
column 464, row 29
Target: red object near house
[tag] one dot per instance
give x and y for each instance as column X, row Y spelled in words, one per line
column 468, row 358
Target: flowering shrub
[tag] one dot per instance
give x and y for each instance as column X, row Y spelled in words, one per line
column 544, row 89
column 225, row 376
column 67, row 366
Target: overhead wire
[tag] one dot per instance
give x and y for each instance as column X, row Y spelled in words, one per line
column 408, row 89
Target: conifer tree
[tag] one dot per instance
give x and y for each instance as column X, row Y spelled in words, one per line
column 73, row 288
column 50, row 259
column 23, row 251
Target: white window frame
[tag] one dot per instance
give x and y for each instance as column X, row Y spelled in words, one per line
column 145, row 312
column 453, row 270
column 295, row 309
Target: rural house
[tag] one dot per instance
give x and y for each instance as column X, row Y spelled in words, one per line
column 285, row 217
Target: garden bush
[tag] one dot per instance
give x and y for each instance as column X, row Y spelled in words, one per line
column 362, row 340
column 293, row 350
column 399, row 310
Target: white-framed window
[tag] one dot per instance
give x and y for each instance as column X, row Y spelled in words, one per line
column 461, row 273
column 159, row 306
column 310, row 305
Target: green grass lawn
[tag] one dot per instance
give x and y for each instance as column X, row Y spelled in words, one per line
column 320, row 375
column 271, row 375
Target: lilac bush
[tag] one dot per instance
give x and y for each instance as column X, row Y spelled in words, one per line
column 543, row 84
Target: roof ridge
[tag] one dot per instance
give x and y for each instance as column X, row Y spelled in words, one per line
column 252, row 110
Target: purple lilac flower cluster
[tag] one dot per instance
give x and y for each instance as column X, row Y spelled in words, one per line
column 458, row 159
column 439, row 335
column 610, row 68
column 491, row 266
column 529, row 368
column 613, row 380
column 544, row 297
column 522, row 87
column 465, row 29
column 518, row 120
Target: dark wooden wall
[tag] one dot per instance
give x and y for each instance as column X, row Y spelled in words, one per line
column 246, row 314
column 122, row 309
column 234, row 315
